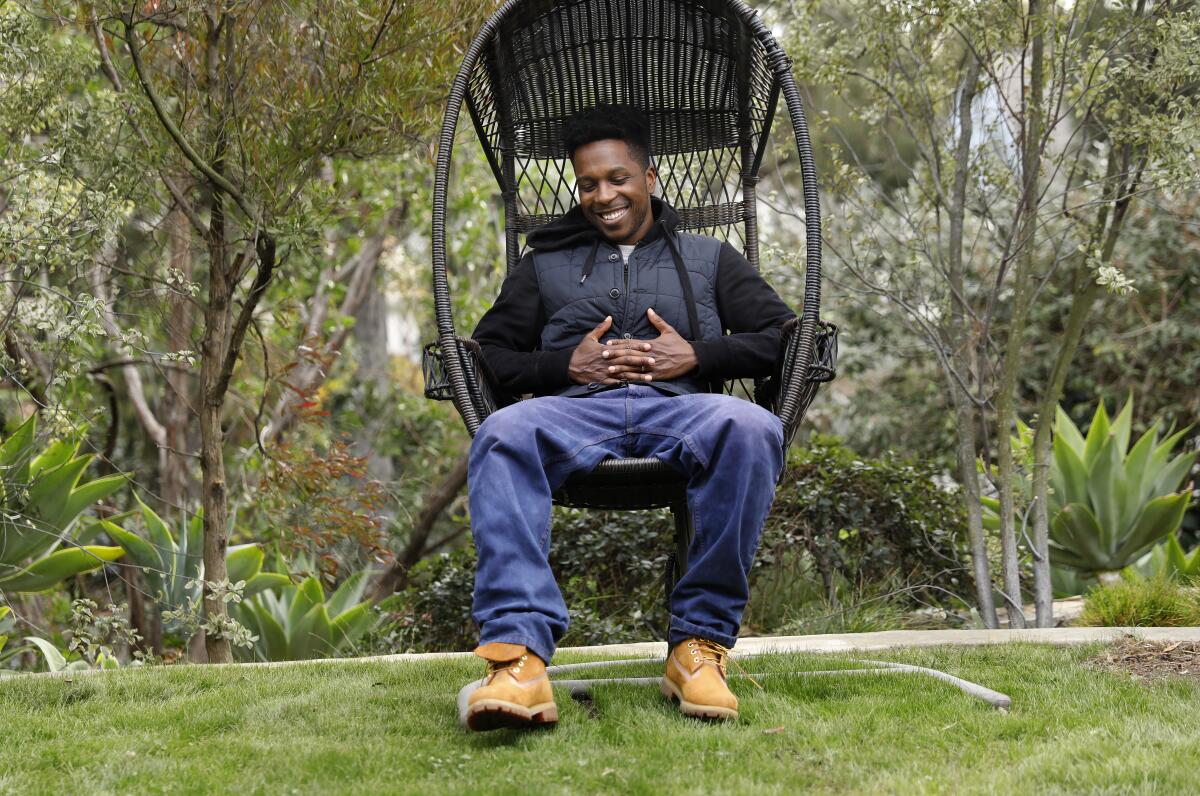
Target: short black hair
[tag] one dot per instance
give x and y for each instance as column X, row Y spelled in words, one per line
column 603, row 122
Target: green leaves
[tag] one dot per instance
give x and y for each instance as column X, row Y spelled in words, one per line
column 174, row 566
column 1168, row 560
column 48, row 572
column 1111, row 506
column 42, row 497
column 295, row 622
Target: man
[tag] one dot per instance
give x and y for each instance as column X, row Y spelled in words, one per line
column 618, row 323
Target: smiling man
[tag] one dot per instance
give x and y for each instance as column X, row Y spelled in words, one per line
column 618, row 324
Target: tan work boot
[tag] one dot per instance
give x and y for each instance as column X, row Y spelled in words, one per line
column 695, row 678
column 516, row 692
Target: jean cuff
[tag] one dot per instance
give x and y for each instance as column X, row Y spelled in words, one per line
column 525, row 641
column 682, row 630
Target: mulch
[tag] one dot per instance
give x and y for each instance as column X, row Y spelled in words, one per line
column 1150, row 660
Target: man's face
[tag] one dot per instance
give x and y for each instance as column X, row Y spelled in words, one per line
column 614, row 190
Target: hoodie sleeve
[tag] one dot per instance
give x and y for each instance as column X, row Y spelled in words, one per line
column 752, row 312
column 509, row 334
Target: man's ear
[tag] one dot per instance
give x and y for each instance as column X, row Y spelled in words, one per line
column 651, row 178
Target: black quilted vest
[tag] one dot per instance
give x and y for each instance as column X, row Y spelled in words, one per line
column 575, row 304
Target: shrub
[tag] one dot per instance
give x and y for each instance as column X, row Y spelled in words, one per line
column 434, row 610
column 296, row 622
column 1169, row 560
column 173, row 563
column 872, row 522
column 1142, row 602
column 610, row 567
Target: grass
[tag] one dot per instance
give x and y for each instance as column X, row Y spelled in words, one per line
column 391, row 728
column 1142, row 602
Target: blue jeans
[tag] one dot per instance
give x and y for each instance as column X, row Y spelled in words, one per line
column 731, row 451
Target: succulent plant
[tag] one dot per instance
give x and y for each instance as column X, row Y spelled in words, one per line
column 41, row 500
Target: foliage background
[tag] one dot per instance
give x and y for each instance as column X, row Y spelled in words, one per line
column 337, row 465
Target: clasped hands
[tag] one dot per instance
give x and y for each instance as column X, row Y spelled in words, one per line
column 666, row 357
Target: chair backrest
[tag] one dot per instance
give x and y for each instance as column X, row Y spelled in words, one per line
column 694, row 66
column 708, row 73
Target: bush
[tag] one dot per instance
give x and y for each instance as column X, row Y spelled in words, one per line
column 610, row 567
column 433, row 612
column 1142, row 602
column 841, row 524
column 874, row 523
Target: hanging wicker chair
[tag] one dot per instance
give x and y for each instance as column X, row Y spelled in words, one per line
column 709, row 75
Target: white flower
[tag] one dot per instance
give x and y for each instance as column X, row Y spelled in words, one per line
column 1114, row 280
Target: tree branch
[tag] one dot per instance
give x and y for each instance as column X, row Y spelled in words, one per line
column 264, row 246
column 360, row 271
column 219, row 182
column 133, row 379
column 106, row 66
column 436, row 501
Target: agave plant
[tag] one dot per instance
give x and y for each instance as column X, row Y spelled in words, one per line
column 1112, row 502
column 173, row 566
column 297, row 622
column 41, row 500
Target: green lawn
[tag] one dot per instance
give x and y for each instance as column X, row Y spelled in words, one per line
column 391, row 728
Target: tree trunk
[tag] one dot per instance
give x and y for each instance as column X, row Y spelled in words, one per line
column 1086, row 290
column 959, row 342
column 374, row 369
column 1031, row 163
column 981, row 570
column 212, row 435
column 176, row 412
column 1081, row 307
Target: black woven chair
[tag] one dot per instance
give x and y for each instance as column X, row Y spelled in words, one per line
column 709, row 75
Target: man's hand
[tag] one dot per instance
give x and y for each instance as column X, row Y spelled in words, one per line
column 589, row 363
column 666, row 357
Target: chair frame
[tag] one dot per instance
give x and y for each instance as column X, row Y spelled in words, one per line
column 455, row 369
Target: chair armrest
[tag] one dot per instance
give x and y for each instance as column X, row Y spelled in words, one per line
column 789, row 374
column 480, row 382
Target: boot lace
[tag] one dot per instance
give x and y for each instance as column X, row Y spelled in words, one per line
column 496, row 667
column 706, row 651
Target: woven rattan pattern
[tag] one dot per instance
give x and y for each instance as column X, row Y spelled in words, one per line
column 702, row 78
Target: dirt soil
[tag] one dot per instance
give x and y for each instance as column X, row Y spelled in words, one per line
column 1151, row 660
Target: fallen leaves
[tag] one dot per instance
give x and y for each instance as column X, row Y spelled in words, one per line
column 1150, row 660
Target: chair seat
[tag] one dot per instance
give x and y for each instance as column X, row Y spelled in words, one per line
column 625, row 484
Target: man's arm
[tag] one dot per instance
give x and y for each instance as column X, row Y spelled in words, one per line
column 752, row 312
column 510, row 332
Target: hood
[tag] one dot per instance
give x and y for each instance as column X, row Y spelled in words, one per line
column 572, row 229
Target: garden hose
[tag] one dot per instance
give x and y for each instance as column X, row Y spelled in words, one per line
column 583, row 686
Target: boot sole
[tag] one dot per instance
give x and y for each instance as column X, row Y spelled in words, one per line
column 671, row 692
column 496, row 714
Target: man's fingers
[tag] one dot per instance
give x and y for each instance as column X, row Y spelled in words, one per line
column 601, row 328
column 630, row 362
column 637, row 345
column 658, row 322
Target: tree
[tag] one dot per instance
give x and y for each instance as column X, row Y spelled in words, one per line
column 1021, row 140
column 249, row 100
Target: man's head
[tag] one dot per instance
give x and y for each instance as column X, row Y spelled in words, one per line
column 609, row 146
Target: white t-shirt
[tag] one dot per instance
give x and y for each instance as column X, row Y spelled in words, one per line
column 626, row 250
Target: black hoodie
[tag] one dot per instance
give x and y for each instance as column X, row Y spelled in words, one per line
column 509, row 333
